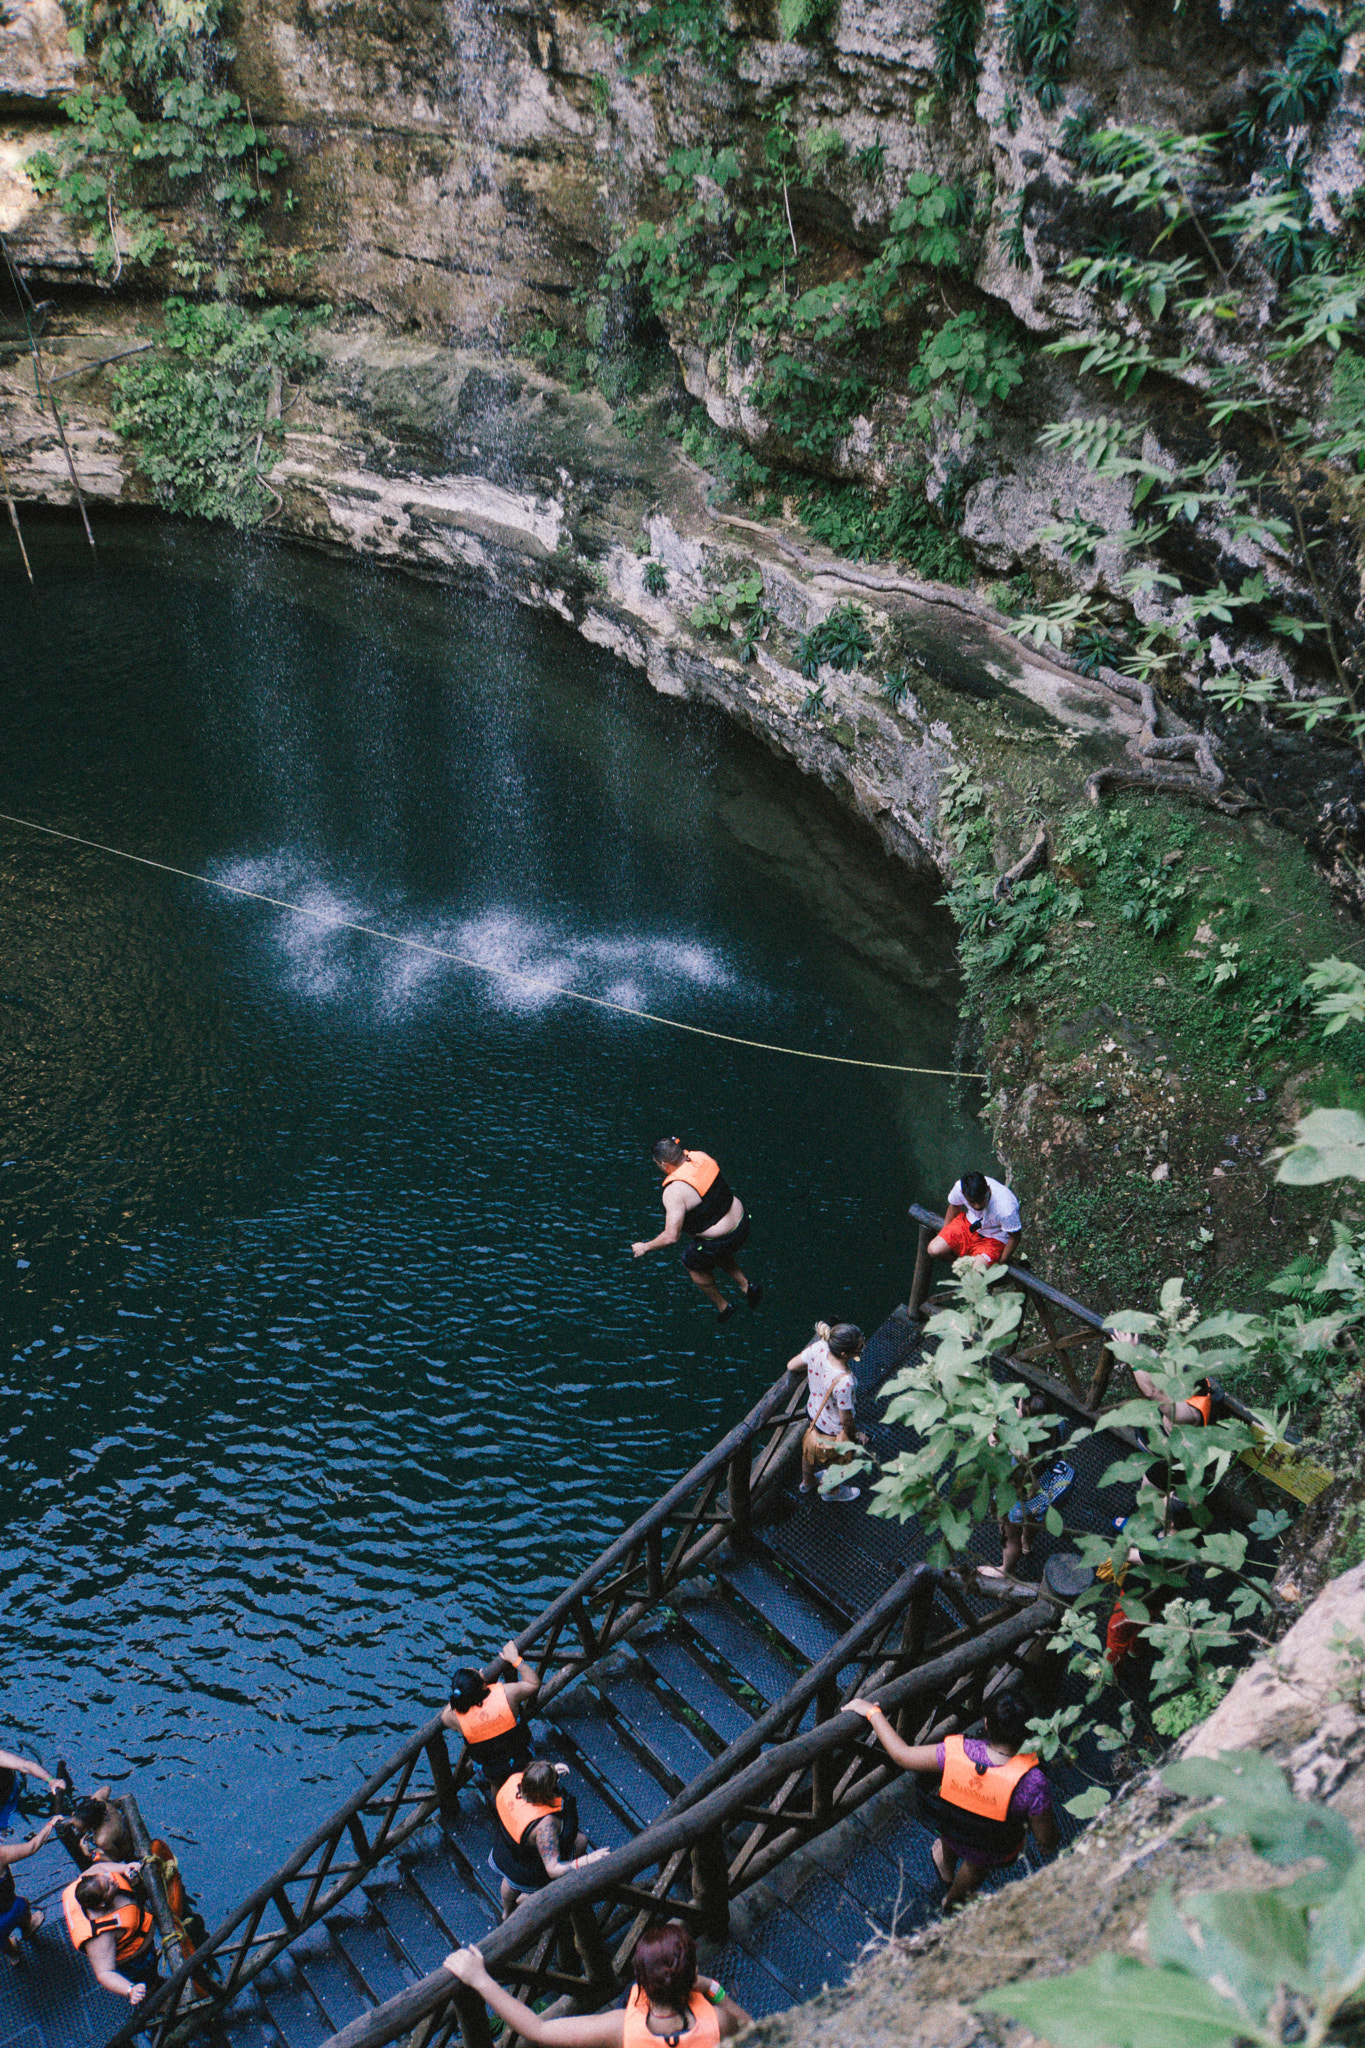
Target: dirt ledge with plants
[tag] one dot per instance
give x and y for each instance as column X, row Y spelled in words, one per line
column 1300, row 1707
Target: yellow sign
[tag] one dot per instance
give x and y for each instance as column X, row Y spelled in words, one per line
column 1281, row 1464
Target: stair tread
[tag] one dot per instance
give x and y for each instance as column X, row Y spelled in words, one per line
column 782, row 1605
column 615, row 1764
column 684, row 1671
column 718, row 1624
column 661, row 1730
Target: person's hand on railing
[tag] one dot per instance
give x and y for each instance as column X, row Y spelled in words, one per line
column 467, row 1964
column 591, row 1856
column 867, row 1708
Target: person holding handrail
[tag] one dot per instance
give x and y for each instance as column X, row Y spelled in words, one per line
column 990, row 1791
column 12, row 1769
column 489, row 1717
column 669, row 2002
column 537, row 1836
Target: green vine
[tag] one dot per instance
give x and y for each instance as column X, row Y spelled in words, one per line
column 1041, row 33
column 157, row 123
column 204, row 412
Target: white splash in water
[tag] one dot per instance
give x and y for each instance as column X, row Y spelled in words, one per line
column 529, row 964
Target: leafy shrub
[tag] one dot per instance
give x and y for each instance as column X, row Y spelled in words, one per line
column 667, row 27
column 655, row 578
column 156, row 117
column 201, row 415
column 870, row 160
column 898, row 527
column 797, row 18
column 842, row 639
column 957, row 25
column 1041, row 33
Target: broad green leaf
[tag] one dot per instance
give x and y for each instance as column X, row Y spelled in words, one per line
column 1115, row 2002
column 1336, row 1946
column 1257, row 1802
column 1087, row 1804
column 1329, row 1144
column 1253, row 1940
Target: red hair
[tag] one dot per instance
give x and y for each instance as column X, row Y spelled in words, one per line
column 666, row 1965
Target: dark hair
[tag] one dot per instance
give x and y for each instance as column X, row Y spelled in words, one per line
column 89, row 1814
column 666, row 1965
column 467, row 1689
column 1033, row 1404
column 94, row 1888
column 843, row 1339
column 976, row 1188
column 668, row 1151
column 540, row 1784
column 1006, row 1719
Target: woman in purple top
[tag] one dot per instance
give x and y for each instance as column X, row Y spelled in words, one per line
column 1005, row 1800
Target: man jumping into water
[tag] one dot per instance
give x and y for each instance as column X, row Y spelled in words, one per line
column 700, row 1203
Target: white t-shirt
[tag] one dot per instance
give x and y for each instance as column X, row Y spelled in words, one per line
column 999, row 1218
column 823, row 1369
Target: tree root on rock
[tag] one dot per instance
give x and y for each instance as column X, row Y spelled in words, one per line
column 1119, row 777
column 1035, row 858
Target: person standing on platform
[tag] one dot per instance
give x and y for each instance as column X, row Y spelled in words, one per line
column 990, row 1792
column 16, row 1915
column 982, row 1222
column 832, row 1436
column 699, row 1203
column 488, row 1717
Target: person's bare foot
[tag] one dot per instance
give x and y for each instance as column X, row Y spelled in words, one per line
column 937, row 1853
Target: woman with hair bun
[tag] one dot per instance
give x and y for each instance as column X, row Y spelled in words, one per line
column 832, row 1437
column 670, row 2003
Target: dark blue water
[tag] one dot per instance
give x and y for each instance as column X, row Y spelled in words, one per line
column 325, row 1353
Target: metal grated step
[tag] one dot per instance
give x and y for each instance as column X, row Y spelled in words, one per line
column 691, row 1680
column 292, row 2008
column 614, row 1763
column 659, row 1729
column 782, row 1605
column 751, row 1656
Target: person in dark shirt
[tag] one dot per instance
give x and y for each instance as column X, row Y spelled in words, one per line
column 16, row 1915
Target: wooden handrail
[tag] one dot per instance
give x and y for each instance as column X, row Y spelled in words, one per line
column 538, row 1914
column 164, row 2002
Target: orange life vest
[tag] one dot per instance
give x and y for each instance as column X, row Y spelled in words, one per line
column 698, row 1169
column 703, row 2031
column 1204, row 1404
column 493, row 1716
column 985, row 1792
column 520, row 1815
column 131, row 1924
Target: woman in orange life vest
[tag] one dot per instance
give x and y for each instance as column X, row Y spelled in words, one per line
column 988, row 1793
column 537, row 1835
column 112, row 1926
column 700, row 1203
column 488, row 1717
column 670, row 2002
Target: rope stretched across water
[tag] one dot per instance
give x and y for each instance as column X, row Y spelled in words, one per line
column 530, row 981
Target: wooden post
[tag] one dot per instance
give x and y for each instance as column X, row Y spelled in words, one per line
column 919, row 1285
column 1099, row 1384
column 474, row 2027
column 438, row 1756
column 741, row 1504
column 172, row 1953
column 591, row 1948
column 825, row 1768
column 654, row 1562
column 711, row 1884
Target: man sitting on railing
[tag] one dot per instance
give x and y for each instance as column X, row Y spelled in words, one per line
column 982, row 1222
column 488, row 1717
column 537, row 1838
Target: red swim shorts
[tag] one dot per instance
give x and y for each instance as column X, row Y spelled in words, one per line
column 1120, row 1636
column 966, row 1243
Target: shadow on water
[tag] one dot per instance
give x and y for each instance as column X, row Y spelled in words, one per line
column 327, row 1353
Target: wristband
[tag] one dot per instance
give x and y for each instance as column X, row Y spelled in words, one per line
column 718, row 1995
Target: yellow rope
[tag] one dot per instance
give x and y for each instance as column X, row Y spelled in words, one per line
column 369, row 931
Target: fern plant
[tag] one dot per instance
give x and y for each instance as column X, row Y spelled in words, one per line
column 842, row 639
column 957, row 27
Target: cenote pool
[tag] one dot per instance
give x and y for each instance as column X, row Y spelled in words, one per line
column 325, row 1352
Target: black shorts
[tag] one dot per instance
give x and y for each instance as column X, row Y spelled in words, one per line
column 704, row 1254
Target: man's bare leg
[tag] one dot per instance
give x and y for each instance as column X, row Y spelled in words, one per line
column 708, row 1288
column 750, row 1289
